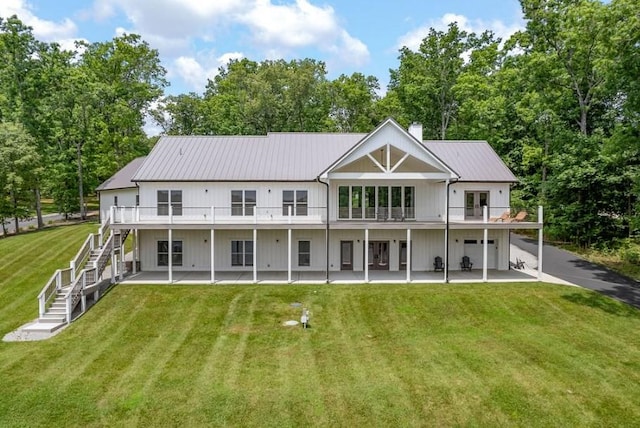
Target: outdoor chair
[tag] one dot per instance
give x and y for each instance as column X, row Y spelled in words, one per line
column 503, row 217
column 466, row 264
column 519, row 217
column 438, row 266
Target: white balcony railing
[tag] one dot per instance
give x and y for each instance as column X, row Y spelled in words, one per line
column 219, row 215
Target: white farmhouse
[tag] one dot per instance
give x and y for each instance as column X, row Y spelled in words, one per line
column 291, row 207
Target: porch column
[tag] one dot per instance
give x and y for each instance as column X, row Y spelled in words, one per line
column 113, row 261
column 289, row 255
column 121, row 267
column 289, row 247
column 170, row 255
column 485, row 218
column 408, row 255
column 540, row 242
column 366, row 255
column 213, row 267
column 255, row 254
column 135, row 251
column 445, row 271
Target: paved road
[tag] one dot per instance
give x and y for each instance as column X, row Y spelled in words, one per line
column 33, row 222
column 571, row 268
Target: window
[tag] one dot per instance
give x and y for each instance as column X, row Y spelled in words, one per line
column 343, row 202
column 163, row 202
column 115, row 201
column 304, row 253
column 381, row 202
column 243, row 202
column 137, row 200
column 241, row 253
column 163, row 253
column 297, row 200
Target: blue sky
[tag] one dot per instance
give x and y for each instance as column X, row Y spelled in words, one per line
column 195, row 37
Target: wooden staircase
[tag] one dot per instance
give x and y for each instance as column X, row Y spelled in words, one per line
column 69, row 287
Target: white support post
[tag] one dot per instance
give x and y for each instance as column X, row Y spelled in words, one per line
column 366, row 255
column 255, row 255
column 83, row 298
column 485, row 236
column 122, row 211
column 213, row 246
column 137, row 214
column 134, row 251
column 113, row 213
column 72, row 266
column 68, row 309
column 121, row 267
column 446, row 231
column 289, row 255
column 113, row 265
column 540, row 241
column 170, row 255
column 170, row 214
column 408, row 255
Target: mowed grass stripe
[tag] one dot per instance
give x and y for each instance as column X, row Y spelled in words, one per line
column 383, row 355
column 26, row 270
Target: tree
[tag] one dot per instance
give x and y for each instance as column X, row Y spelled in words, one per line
column 352, row 102
column 574, row 34
column 19, row 164
column 20, row 85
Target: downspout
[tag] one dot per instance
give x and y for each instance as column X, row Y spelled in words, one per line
column 327, row 231
column 446, row 241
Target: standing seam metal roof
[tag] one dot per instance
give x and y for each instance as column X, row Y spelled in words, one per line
column 293, row 157
column 122, row 178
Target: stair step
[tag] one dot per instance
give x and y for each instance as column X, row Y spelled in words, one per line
column 52, row 318
column 58, row 305
column 57, row 311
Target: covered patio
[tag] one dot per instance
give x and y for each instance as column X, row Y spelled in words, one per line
column 338, row 277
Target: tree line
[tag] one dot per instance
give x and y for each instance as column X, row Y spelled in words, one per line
column 559, row 101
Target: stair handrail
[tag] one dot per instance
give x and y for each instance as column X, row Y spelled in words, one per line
column 102, row 231
column 82, row 256
column 72, row 296
column 55, row 283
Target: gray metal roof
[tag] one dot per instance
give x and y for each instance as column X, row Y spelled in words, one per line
column 292, row 157
column 472, row 160
column 122, row 178
column 274, row 157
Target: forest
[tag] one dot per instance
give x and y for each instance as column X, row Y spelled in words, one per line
column 559, row 101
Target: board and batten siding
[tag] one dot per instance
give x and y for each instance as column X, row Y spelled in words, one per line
column 218, row 194
column 126, row 198
column 498, row 198
column 196, row 249
column 429, row 196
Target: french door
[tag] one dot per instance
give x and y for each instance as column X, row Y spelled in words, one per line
column 379, row 255
column 473, row 203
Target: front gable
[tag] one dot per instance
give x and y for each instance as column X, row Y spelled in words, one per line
column 389, row 152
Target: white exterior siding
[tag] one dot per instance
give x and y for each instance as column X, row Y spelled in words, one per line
column 126, row 198
column 199, row 197
column 498, row 198
column 196, row 249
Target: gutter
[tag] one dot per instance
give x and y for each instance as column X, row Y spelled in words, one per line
column 446, row 241
column 327, row 231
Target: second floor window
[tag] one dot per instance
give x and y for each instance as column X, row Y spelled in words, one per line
column 297, row 200
column 243, row 202
column 376, row 202
column 168, row 198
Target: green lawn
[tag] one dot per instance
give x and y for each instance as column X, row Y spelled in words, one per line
column 383, row 355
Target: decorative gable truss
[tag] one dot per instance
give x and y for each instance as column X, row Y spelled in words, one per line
column 389, row 152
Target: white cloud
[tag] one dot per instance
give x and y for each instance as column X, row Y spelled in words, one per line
column 45, row 30
column 276, row 28
column 414, row 38
column 196, row 72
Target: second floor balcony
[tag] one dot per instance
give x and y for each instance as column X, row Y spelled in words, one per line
column 495, row 217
